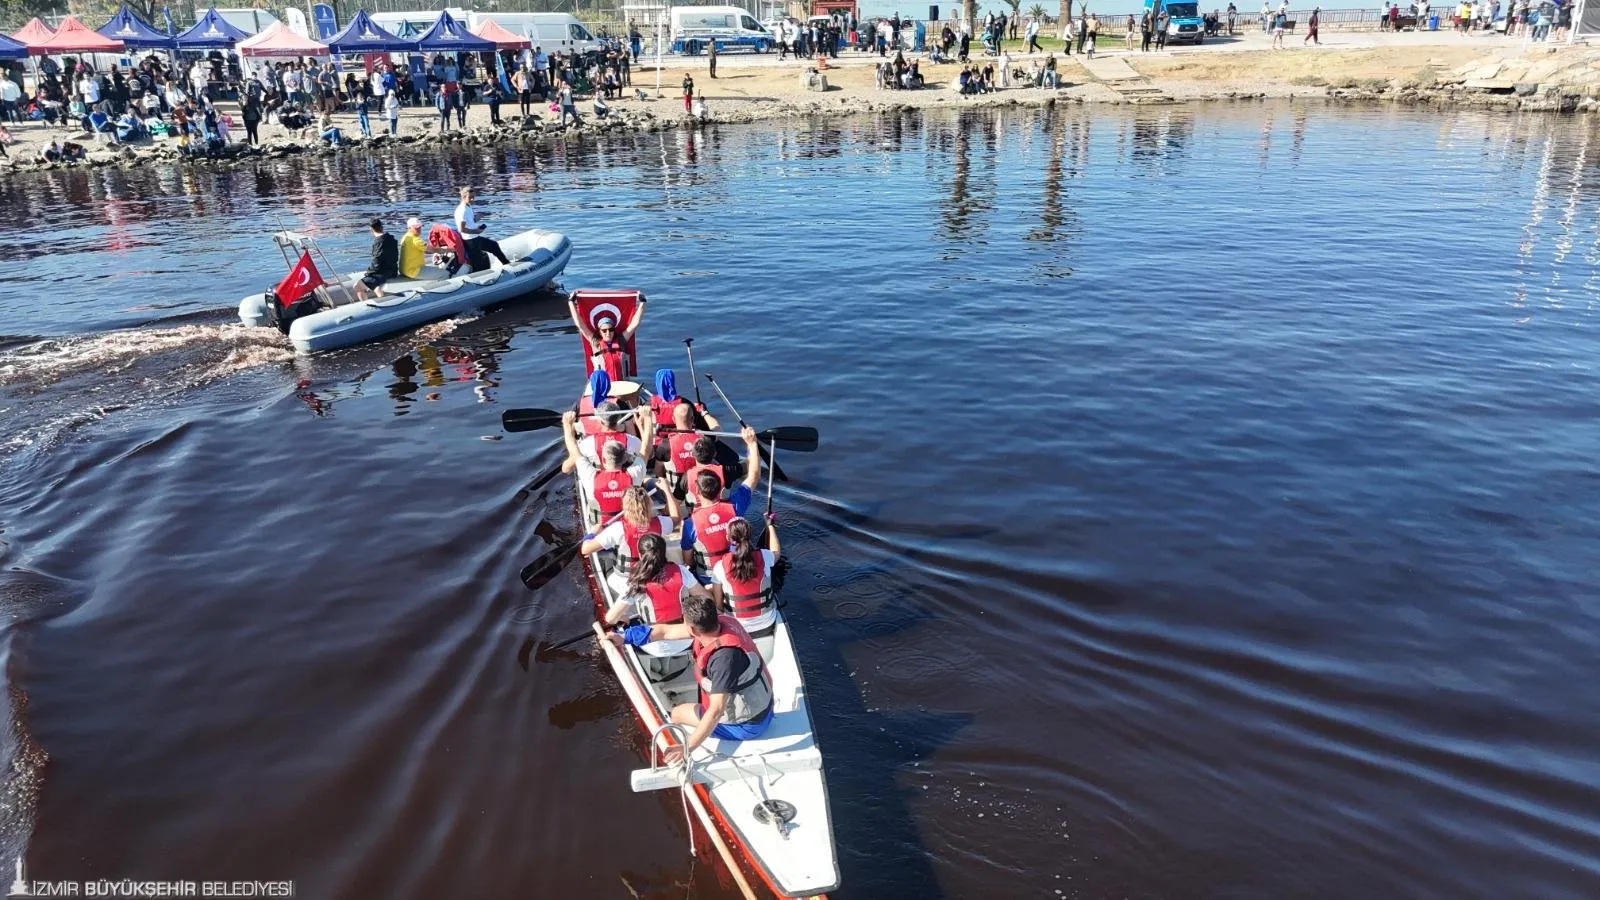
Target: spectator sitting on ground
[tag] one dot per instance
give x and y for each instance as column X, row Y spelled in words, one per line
column 129, row 128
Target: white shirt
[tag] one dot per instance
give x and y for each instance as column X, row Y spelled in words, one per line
column 391, row 103
column 610, row 537
column 586, row 448
column 90, row 89
column 467, row 220
column 1033, row 28
column 9, row 91
column 720, row 573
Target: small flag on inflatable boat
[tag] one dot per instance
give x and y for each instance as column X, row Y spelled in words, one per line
column 301, row 280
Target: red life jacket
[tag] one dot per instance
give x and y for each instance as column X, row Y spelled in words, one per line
column 752, row 697
column 666, row 594
column 711, row 521
column 681, row 447
column 608, row 490
column 692, row 490
column 664, row 409
column 749, row 598
column 632, row 533
column 608, row 355
column 602, row 438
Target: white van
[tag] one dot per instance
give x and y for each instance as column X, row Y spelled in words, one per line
column 394, row 22
column 551, row 32
column 695, row 27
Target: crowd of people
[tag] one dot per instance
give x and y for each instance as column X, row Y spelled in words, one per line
column 159, row 98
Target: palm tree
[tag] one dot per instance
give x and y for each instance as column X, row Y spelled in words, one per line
column 969, row 9
column 1037, row 12
column 1066, row 12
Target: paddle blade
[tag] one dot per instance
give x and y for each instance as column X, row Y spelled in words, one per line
column 515, row 420
column 543, row 570
column 794, row 438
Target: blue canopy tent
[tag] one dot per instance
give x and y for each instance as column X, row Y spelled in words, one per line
column 450, row 36
column 10, row 49
column 363, row 35
column 134, row 33
column 212, row 32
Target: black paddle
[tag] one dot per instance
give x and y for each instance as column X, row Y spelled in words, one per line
column 776, row 470
column 543, row 570
column 515, row 420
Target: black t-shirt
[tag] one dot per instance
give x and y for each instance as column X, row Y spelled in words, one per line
column 726, row 669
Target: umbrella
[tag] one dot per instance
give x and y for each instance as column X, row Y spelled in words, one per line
column 10, row 49
column 212, row 32
column 133, row 32
column 363, row 35
column 449, row 35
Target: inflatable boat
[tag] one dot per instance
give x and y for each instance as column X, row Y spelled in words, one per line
column 331, row 316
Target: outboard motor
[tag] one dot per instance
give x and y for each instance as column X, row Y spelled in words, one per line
column 281, row 317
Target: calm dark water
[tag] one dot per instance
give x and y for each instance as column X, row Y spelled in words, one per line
column 1207, row 508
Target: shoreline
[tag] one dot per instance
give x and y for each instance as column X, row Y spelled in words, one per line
column 1509, row 77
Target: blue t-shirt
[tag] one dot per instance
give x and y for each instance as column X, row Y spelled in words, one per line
column 739, row 497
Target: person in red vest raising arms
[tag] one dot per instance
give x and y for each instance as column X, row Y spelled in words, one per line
column 585, row 453
column 735, row 690
column 610, row 346
column 742, row 580
column 706, row 531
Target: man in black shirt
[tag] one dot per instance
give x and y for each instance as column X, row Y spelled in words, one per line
column 385, row 262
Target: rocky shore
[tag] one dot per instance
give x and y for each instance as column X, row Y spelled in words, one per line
column 1508, row 77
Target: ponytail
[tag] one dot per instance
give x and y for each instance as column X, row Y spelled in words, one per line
column 649, row 564
column 741, row 550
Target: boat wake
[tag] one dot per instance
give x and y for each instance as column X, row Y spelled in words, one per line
column 49, row 387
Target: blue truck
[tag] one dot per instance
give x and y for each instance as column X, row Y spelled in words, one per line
column 1184, row 22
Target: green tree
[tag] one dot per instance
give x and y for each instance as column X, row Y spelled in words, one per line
column 15, row 13
column 1037, row 12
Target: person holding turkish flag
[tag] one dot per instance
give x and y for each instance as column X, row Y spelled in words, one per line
column 303, row 278
column 608, row 341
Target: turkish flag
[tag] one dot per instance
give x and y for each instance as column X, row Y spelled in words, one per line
column 615, row 305
column 301, row 280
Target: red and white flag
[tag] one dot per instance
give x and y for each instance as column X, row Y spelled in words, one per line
column 301, row 280
column 618, row 306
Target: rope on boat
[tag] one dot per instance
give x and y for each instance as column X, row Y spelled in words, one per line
column 685, row 768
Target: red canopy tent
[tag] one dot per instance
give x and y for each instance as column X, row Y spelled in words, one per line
column 34, row 33
column 278, row 40
column 491, row 30
column 72, row 36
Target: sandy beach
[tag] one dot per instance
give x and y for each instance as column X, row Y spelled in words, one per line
column 1437, row 68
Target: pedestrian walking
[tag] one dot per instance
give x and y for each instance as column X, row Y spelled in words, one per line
column 1311, row 27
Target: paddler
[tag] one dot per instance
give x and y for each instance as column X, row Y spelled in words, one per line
column 735, row 690
column 610, row 346
column 585, row 454
column 638, row 519
column 666, row 402
column 706, row 530
column 742, row 580
column 661, row 584
column 704, row 454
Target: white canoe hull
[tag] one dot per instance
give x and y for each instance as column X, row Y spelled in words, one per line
column 537, row 258
column 783, row 764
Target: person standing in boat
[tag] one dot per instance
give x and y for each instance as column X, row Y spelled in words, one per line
column 706, row 530
column 610, row 351
column 735, row 688
column 385, row 263
column 477, row 245
column 741, row 582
